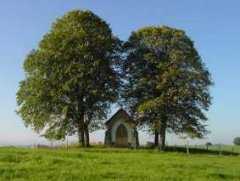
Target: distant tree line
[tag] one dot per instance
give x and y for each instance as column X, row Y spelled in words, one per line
column 80, row 68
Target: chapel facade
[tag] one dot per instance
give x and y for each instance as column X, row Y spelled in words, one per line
column 121, row 130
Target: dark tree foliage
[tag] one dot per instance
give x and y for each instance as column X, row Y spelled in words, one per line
column 236, row 141
column 70, row 78
column 166, row 83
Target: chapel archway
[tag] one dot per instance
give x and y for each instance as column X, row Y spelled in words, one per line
column 122, row 136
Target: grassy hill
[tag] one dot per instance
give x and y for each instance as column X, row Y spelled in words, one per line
column 114, row 164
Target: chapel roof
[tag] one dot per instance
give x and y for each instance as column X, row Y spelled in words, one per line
column 120, row 112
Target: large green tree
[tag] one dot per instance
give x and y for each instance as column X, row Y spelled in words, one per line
column 71, row 77
column 166, row 82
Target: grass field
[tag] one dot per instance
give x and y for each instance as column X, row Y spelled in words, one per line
column 114, row 164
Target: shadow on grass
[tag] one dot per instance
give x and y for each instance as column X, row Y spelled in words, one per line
column 177, row 149
column 200, row 151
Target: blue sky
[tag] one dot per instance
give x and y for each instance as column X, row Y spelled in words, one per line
column 213, row 25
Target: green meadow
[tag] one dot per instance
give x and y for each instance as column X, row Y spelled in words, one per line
column 114, row 164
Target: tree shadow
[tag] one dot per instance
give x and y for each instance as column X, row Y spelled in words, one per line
column 200, row 151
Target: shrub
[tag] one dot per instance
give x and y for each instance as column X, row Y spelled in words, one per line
column 236, row 141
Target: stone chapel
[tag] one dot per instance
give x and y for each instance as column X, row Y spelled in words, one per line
column 121, row 130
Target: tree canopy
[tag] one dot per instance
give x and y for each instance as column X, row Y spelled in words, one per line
column 70, row 78
column 236, row 141
column 166, row 82
column 73, row 77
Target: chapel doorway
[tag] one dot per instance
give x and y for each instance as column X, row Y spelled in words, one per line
column 122, row 136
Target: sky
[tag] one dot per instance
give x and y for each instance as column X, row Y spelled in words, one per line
column 213, row 25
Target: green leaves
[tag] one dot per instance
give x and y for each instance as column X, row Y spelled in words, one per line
column 77, row 71
column 166, row 80
column 70, row 75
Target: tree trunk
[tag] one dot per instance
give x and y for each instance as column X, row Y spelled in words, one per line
column 156, row 139
column 162, row 135
column 81, row 137
column 87, row 136
column 137, row 138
